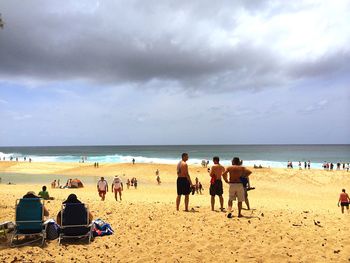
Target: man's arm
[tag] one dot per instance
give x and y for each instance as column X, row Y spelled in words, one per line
column 212, row 174
column 247, row 172
column 187, row 174
column 224, row 175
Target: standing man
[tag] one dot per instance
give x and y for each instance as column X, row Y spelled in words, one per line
column 117, row 186
column 216, row 183
column 184, row 182
column 102, row 188
column 236, row 171
column 344, row 201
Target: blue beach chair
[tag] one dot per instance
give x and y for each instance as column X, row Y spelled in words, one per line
column 75, row 222
column 29, row 220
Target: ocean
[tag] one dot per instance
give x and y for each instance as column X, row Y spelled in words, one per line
column 275, row 156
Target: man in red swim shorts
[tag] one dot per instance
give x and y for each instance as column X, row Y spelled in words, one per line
column 102, row 188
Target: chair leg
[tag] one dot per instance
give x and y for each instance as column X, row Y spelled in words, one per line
column 12, row 238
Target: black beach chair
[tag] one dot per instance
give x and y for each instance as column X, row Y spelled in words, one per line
column 75, row 222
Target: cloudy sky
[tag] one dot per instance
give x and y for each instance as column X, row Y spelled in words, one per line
column 174, row 72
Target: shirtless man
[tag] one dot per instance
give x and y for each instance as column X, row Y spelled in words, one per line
column 236, row 187
column 344, row 201
column 184, row 182
column 215, row 183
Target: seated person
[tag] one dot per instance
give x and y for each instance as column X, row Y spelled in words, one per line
column 31, row 194
column 45, row 194
column 72, row 199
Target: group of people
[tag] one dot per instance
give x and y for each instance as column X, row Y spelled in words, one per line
column 205, row 163
column 235, row 175
column 117, row 188
column 71, row 183
column 17, row 159
column 307, row 165
column 330, row 166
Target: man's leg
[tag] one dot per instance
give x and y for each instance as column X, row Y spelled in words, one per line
column 246, row 200
column 116, row 195
column 120, row 195
column 239, row 204
column 212, row 202
column 178, row 199
column 187, row 200
column 229, row 208
column 221, row 202
column 342, row 209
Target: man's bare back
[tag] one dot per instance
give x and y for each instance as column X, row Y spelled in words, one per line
column 182, row 169
column 235, row 173
column 217, row 170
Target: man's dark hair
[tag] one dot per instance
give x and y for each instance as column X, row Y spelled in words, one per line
column 343, row 190
column 184, row 154
column 236, row 161
column 216, row 159
column 44, row 188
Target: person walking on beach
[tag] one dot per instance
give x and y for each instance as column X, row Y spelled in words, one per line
column 102, row 188
column 135, row 183
column 117, row 186
column 216, row 188
column 344, row 201
column 235, row 171
column 128, row 183
column 184, row 182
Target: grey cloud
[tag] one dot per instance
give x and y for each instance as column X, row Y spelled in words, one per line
column 325, row 66
column 113, row 43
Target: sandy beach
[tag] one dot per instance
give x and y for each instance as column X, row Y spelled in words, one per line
column 279, row 228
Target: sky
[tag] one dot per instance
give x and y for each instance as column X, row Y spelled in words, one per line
column 174, row 72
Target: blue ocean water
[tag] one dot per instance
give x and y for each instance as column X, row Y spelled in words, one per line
column 265, row 155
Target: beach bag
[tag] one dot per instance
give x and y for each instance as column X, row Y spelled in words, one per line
column 101, row 228
column 52, row 229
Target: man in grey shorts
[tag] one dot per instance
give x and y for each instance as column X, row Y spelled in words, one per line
column 236, row 190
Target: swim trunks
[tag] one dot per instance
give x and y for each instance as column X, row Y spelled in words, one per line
column 183, row 186
column 216, row 188
column 346, row 204
column 118, row 190
column 236, row 191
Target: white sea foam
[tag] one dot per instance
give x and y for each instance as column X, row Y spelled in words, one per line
column 116, row 158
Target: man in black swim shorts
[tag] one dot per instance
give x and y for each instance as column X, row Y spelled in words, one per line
column 216, row 188
column 184, row 182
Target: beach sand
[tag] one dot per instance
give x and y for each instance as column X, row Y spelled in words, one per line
column 279, row 228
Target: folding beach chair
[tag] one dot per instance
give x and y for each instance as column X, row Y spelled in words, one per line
column 75, row 222
column 29, row 221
